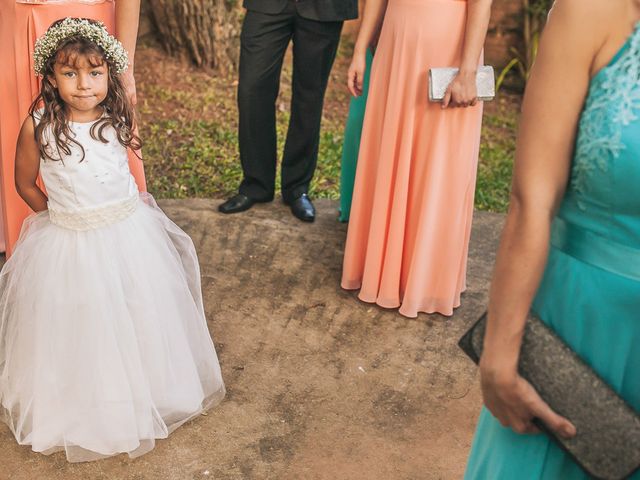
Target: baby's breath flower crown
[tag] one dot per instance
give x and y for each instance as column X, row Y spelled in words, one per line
column 47, row 44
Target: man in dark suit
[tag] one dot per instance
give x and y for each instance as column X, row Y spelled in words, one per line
column 314, row 26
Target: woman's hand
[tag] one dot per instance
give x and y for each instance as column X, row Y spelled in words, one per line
column 515, row 403
column 355, row 75
column 462, row 91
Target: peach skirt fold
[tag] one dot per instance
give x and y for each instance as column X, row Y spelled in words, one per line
column 408, row 236
column 20, row 26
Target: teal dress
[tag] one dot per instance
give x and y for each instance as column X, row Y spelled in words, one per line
column 351, row 144
column 590, row 292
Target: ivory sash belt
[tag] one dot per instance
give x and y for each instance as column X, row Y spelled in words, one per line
column 91, row 218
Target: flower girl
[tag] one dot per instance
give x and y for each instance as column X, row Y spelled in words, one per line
column 104, row 344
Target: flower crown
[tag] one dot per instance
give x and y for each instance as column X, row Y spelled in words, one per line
column 47, row 44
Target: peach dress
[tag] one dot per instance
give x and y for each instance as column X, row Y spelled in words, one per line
column 410, row 223
column 20, row 25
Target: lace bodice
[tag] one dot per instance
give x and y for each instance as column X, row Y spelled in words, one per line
column 102, row 178
column 605, row 175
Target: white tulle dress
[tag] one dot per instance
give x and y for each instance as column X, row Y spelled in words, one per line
column 104, row 345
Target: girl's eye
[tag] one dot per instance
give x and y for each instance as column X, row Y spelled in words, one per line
column 96, row 73
column 69, row 74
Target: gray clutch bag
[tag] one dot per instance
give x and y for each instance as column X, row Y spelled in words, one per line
column 607, row 443
column 440, row 78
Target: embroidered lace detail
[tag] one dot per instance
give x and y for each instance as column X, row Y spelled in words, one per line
column 613, row 102
column 90, row 219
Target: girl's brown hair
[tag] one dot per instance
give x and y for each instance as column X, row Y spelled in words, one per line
column 49, row 109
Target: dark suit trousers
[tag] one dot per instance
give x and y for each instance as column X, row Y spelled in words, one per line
column 264, row 41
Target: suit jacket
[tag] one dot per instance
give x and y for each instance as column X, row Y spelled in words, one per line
column 321, row 10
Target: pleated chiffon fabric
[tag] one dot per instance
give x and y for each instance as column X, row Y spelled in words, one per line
column 20, row 25
column 408, row 235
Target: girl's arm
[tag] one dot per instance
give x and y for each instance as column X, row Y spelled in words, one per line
column 462, row 92
column 371, row 23
column 28, row 167
column 551, row 109
column 127, row 19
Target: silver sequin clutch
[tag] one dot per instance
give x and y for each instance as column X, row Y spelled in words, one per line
column 440, row 78
column 607, row 443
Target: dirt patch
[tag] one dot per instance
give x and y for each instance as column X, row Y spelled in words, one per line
column 320, row 385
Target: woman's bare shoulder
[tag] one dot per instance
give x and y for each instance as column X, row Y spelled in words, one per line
column 591, row 11
column 594, row 16
column 595, row 27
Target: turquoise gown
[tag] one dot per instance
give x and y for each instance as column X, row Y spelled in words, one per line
column 351, row 144
column 590, row 292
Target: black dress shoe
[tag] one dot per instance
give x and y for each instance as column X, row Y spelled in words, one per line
column 237, row 203
column 302, row 208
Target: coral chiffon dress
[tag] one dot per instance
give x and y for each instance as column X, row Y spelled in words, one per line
column 412, row 206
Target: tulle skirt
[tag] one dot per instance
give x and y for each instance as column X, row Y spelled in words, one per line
column 104, row 345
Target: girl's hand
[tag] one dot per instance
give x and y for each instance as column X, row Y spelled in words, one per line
column 355, row 75
column 462, row 91
column 515, row 403
column 130, row 84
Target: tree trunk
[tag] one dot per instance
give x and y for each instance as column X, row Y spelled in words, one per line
column 207, row 32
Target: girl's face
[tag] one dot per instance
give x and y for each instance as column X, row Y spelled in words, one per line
column 82, row 85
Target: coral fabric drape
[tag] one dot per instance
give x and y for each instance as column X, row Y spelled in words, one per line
column 412, row 207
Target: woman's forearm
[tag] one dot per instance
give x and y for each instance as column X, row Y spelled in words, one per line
column 551, row 110
column 478, row 16
column 127, row 18
column 371, row 21
column 519, row 267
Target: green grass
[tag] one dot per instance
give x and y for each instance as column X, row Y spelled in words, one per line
column 497, row 151
column 200, row 159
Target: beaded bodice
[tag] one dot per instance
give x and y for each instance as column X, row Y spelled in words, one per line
column 605, row 175
column 101, row 178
